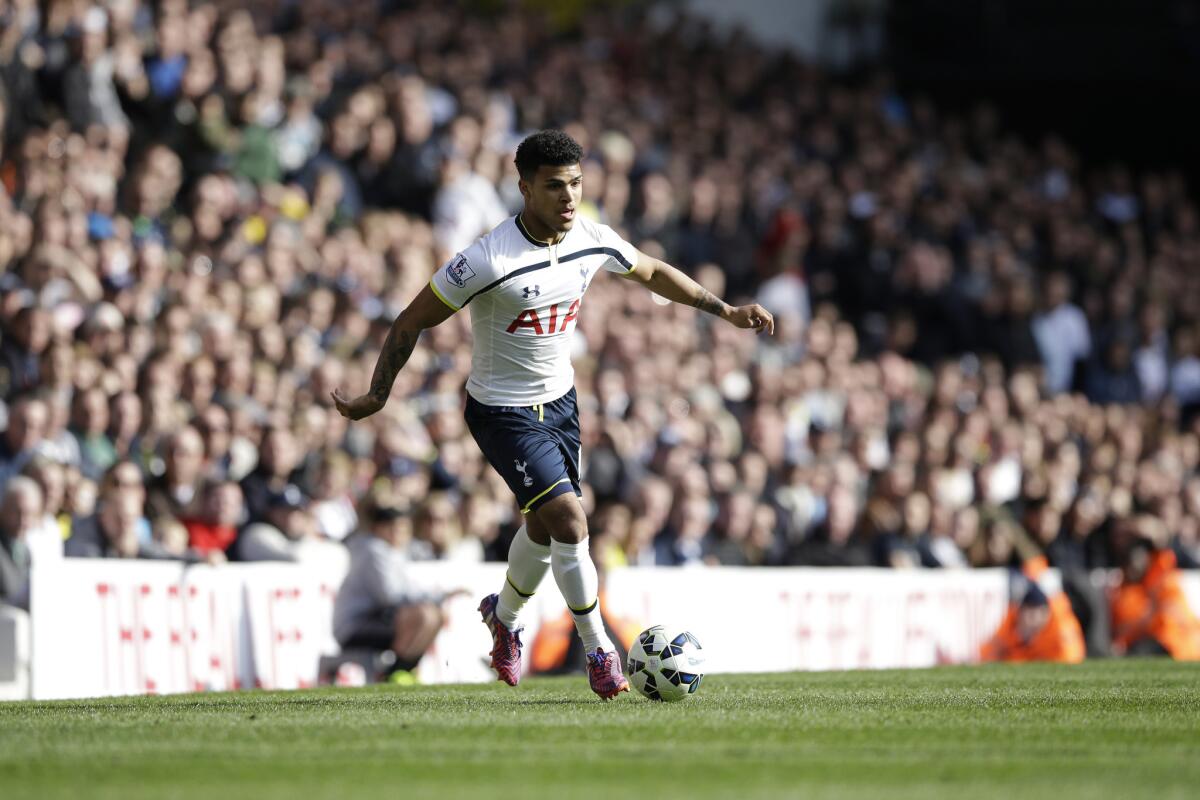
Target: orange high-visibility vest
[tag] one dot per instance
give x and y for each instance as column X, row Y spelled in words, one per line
column 1156, row 607
column 1060, row 639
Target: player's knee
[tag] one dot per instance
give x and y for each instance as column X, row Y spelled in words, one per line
column 572, row 526
column 572, row 532
column 564, row 518
column 536, row 531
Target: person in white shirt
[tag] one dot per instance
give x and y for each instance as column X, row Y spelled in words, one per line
column 525, row 283
column 377, row 606
column 20, row 515
column 1062, row 334
column 466, row 206
column 45, row 542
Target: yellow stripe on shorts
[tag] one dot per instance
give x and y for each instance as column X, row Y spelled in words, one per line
column 542, row 494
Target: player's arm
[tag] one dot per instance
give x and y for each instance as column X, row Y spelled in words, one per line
column 425, row 311
column 667, row 281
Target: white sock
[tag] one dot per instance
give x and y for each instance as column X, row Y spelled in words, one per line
column 576, row 577
column 527, row 565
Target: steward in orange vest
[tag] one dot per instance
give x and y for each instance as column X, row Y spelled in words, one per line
column 1038, row 628
column 1150, row 613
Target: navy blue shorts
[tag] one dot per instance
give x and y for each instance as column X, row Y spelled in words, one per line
column 534, row 448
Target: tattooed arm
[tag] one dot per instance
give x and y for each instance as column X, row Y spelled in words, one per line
column 667, row 281
column 425, row 311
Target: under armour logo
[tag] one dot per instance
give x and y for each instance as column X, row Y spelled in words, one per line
column 532, row 291
column 521, row 469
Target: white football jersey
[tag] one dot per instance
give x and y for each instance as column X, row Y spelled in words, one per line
column 525, row 298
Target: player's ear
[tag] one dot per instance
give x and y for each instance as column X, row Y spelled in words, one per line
column 524, row 187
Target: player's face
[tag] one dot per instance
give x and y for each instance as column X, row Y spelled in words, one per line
column 553, row 196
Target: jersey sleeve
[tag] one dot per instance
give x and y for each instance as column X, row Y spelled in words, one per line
column 622, row 256
column 463, row 276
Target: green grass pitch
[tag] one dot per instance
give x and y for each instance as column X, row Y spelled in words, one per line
column 1104, row 729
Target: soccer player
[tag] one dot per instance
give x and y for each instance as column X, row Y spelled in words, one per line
column 525, row 283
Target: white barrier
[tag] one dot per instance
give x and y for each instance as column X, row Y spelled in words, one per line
column 110, row 627
column 1191, row 589
column 104, row 628
column 14, row 653
column 755, row 620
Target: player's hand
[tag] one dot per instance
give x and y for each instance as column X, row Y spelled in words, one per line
column 361, row 406
column 754, row 317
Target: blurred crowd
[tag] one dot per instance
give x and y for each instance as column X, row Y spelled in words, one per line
column 210, row 214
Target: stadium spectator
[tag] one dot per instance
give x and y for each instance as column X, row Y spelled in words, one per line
column 118, row 528
column 1150, row 614
column 438, row 533
column 20, row 516
column 23, row 351
column 213, row 424
column 90, row 92
column 900, row 546
column 684, row 542
column 731, row 537
column 89, row 426
column 1040, row 626
column 45, row 543
column 1185, row 373
column 466, row 205
column 1062, row 333
column 1112, row 378
column 377, row 607
column 175, row 494
column 208, row 214
column 332, row 504
column 212, row 531
column 27, row 419
column 835, row 541
column 482, row 519
column 276, row 471
column 58, row 442
column 1073, row 552
column 287, row 532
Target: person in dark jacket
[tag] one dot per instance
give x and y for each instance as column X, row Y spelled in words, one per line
column 1113, row 378
column 117, row 529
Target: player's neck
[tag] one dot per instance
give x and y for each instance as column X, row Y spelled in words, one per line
column 537, row 230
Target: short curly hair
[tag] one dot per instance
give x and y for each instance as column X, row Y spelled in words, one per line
column 550, row 147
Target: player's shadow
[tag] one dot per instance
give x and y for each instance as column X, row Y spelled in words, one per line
column 560, row 701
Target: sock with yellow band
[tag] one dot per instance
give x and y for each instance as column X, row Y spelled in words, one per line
column 527, row 565
column 576, row 577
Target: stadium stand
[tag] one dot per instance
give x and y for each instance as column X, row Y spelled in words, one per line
column 210, row 214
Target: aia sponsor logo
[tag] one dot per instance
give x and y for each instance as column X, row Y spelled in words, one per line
column 544, row 321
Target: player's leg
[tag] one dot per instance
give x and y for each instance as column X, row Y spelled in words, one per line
column 577, row 579
column 525, row 457
column 564, row 518
column 530, row 460
column 528, row 561
column 574, row 570
column 532, row 466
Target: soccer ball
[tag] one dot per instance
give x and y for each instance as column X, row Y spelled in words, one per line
column 666, row 664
